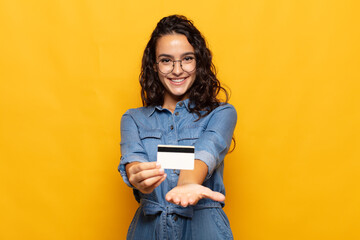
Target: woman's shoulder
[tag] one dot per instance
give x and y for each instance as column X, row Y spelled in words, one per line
column 227, row 107
column 224, row 110
column 139, row 116
column 139, row 111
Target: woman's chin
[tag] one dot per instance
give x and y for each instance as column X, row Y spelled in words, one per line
column 178, row 96
column 177, row 92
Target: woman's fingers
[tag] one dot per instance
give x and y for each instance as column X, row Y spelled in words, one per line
column 160, row 181
column 146, row 176
column 150, row 181
column 148, row 189
column 143, row 171
column 190, row 194
column 149, row 184
column 216, row 196
column 172, row 197
column 143, row 166
column 184, row 200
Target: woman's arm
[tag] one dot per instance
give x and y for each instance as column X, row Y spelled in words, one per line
column 193, row 176
column 135, row 167
column 210, row 150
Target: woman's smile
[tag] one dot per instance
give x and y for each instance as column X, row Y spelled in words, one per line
column 177, row 81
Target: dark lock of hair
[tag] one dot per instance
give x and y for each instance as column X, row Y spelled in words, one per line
column 203, row 93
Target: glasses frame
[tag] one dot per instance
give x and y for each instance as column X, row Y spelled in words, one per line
column 173, row 66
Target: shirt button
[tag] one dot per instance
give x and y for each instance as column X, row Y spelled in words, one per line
column 181, row 104
column 171, row 127
column 174, row 171
column 177, row 114
column 175, row 218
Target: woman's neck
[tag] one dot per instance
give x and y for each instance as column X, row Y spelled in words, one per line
column 171, row 101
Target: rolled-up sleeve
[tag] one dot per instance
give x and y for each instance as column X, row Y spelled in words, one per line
column 215, row 141
column 132, row 149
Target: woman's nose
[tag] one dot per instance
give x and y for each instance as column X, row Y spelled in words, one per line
column 177, row 67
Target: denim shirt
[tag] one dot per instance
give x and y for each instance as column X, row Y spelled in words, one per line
column 142, row 129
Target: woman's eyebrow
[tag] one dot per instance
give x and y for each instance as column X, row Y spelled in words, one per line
column 165, row 55
column 171, row 56
column 187, row 53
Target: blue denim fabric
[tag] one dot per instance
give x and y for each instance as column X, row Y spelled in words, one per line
column 142, row 129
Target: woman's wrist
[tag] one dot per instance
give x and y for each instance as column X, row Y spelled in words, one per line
column 196, row 176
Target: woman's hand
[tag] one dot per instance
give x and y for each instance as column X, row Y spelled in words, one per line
column 190, row 194
column 145, row 176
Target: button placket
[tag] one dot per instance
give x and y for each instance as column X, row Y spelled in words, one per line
column 171, row 136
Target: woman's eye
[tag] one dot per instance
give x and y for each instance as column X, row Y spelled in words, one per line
column 165, row 60
column 188, row 59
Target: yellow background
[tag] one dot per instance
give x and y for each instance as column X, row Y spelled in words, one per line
column 69, row 70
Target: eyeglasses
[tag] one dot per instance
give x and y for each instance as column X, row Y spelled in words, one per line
column 166, row 65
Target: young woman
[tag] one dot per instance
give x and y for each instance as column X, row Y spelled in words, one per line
column 179, row 94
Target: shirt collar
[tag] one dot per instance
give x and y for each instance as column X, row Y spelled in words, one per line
column 181, row 104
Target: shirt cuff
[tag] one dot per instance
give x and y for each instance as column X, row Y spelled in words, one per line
column 208, row 159
column 122, row 167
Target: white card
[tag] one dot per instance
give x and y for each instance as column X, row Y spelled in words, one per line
column 176, row 157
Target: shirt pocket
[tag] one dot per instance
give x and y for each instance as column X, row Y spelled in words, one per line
column 188, row 136
column 150, row 138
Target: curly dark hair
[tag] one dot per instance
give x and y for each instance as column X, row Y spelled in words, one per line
column 206, row 87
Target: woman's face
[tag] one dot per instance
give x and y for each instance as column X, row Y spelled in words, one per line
column 175, row 47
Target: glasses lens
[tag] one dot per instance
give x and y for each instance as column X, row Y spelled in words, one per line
column 166, row 66
column 188, row 64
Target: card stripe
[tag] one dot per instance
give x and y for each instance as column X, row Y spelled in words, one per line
column 176, row 149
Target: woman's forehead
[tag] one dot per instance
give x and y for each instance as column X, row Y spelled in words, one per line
column 174, row 45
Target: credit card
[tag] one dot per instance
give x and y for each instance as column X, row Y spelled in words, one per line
column 176, row 157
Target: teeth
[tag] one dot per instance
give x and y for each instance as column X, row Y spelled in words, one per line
column 178, row 80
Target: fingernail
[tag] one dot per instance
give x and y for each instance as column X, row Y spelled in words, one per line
column 158, row 165
column 161, row 170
